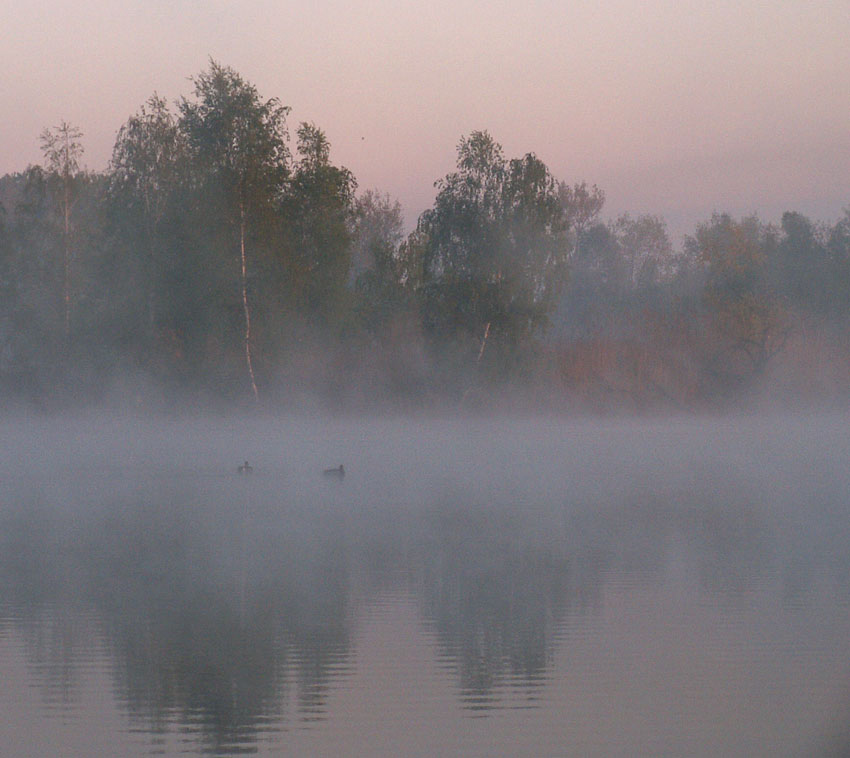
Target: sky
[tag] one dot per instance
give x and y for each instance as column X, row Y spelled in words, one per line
column 677, row 108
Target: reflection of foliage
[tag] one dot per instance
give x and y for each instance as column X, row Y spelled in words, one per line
column 494, row 599
column 227, row 630
column 226, row 611
column 201, row 661
column 200, row 626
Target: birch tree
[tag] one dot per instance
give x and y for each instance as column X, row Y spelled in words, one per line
column 145, row 172
column 496, row 247
column 319, row 212
column 238, row 142
column 62, row 151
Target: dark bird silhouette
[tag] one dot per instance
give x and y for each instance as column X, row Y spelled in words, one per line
column 245, row 468
column 336, row 473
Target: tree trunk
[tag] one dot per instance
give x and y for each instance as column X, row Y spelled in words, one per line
column 245, row 307
column 477, row 362
column 483, row 343
column 66, row 258
column 151, row 299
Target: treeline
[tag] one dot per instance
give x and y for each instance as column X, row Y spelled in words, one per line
column 215, row 262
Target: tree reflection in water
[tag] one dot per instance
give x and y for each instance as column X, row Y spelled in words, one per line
column 213, row 621
column 228, row 610
column 494, row 598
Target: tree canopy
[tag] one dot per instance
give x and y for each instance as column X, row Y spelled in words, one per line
column 495, row 246
column 211, row 261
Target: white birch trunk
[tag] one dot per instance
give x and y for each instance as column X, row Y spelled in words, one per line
column 245, row 307
column 66, row 258
column 477, row 361
column 483, row 343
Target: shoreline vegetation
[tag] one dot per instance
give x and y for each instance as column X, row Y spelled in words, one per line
column 218, row 263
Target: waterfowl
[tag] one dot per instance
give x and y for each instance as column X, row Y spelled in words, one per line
column 245, row 468
column 339, row 473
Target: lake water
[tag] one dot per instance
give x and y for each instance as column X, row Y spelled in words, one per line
column 471, row 588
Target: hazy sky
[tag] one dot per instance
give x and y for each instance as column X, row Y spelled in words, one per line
column 673, row 107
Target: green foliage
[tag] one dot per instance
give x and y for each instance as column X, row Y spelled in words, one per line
column 147, row 166
column 377, row 265
column 207, row 249
column 495, row 247
column 319, row 210
column 40, row 349
column 751, row 324
column 238, row 142
column 838, row 251
column 239, row 160
column 799, row 264
column 582, row 206
column 147, row 181
column 645, row 250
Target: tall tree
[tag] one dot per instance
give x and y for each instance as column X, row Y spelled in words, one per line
column 34, row 305
column 838, row 248
column 239, row 145
column 378, row 236
column 745, row 313
column 582, row 206
column 378, row 231
column 496, row 247
column 62, row 150
column 799, row 264
column 319, row 214
column 7, row 290
column 592, row 295
column 146, row 171
column 645, row 248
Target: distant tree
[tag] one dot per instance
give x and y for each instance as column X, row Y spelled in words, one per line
column 495, row 247
column 410, row 262
column 745, row 313
column 799, row 264
column 145, row 174
column 7, row 291
column 238, row 144
column 62, row 151
column 41, row 358
column 319, row 210
column 617, row 273
column 378, row 231
column 596, row 284
column 582, row 206
column 36, row 307
column 377, row 239
column 838, row 250
column 645, row 249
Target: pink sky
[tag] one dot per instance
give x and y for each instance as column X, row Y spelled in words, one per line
column 677, row 108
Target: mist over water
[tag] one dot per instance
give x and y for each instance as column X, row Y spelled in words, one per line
column 472, row 586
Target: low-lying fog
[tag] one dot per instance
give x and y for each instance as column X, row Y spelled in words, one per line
column 794, row 466
column 214, row 593
column 503, row 459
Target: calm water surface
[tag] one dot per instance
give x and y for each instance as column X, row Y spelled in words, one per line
column 472, row 588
